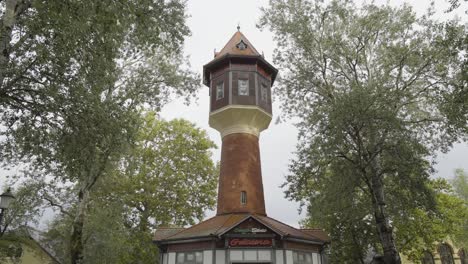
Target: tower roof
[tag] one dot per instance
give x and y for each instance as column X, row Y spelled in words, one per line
column 238, row 45
column 238, row 48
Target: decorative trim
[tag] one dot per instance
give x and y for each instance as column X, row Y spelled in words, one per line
column 235, row 106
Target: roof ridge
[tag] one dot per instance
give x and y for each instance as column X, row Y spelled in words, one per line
column 248, row 42
column 256, row 217
column 298, row 229
column 184, row 229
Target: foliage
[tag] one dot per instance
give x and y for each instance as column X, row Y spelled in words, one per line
column 419, row 229
column 152, row 186
column 24, row 210
column 171, row 159
column 11, row 247
column 74, row 76
column 454, row 4
column 373, row 88
column 460, row 187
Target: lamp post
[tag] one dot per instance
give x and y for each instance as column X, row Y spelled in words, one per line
column 5, row 200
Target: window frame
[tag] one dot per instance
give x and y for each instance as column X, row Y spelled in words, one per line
column 243, row 198
column 194, row 252
column 218, row 90
column 448, row 257
column 239, row 87
column 263, row 92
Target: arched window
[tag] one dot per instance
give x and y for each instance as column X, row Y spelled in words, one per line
column 427, row 258
column 446, row 255
column 463, row 256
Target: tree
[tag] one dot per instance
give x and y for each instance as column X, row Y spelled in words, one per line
column 168, row 178
column 454, row 4
column 24, row 210
column 370, row 86
column 460, row 187
column 74, row 76
column 420, row 229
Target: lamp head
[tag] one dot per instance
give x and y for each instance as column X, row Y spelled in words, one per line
column 6, row 198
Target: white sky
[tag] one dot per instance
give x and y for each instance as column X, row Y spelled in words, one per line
column 213, row 22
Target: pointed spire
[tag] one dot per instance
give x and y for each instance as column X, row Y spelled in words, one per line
column 238, row 45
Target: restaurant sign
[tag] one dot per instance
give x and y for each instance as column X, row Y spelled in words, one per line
column 250, row 230
column 250, row 242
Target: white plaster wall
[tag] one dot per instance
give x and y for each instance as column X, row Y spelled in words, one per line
column 172, row 256
column 264, row 255
column 289, row 257
column 207, row 257
column 316, row 258
column 220, row 257
column 279, row 256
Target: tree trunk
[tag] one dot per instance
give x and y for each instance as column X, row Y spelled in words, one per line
column 76, row 240
column 7, row 23
column 384, row 228
column 13, row 9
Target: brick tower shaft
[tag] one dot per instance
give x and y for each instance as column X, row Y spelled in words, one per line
column 240, row 181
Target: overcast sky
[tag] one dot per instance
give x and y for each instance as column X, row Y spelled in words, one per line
column 213, row 22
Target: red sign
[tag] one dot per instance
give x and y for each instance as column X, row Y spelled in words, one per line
column 250, row 242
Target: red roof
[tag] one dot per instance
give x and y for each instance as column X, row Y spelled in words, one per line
column 220, row 224
column 317, row 232
column 233, row 46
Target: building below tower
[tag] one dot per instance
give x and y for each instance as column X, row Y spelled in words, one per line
column 241, row 238
column 240, row 82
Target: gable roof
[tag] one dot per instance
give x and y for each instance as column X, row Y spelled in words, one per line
column 232, row 48
column 221, row 224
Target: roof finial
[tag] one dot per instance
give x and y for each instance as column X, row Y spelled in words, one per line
column 238, row 26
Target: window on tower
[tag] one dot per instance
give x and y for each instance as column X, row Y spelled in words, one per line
column 243, row 86
column 219, row 90
column 243, row 197
column 264, row 92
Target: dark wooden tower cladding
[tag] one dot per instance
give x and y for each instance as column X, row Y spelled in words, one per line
column 240, row 82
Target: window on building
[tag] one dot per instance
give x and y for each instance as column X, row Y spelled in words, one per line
column 243, row 86
column 300, row 257
column 445, row 252
column 219, row 90
column 264, row 93
column 463, row 256
column 427, row 258
column 243, row 197
column 194, row 257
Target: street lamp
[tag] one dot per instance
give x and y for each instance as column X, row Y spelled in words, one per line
column 5, row 200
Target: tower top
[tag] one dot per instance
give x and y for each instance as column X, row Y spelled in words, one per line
column 238, row 45
column 238, row 50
